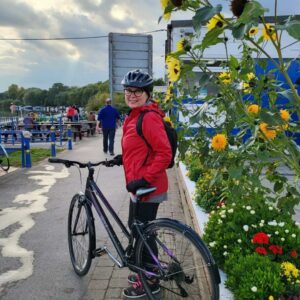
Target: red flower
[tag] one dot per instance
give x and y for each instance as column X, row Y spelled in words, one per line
column 221, row 203
column 294, row 253
column 276, row 249
column 261, row 250
column 260, row 238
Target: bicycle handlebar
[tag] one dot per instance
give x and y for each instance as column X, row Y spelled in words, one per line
column 69, row 163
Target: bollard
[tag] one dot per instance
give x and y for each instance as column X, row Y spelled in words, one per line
column 53, row 149
column 26, row 145
column 69, row 137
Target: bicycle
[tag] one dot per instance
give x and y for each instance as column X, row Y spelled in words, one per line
column 182, row 263
column 4, row 160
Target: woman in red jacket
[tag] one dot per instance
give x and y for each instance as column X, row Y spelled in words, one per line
column 144, row 165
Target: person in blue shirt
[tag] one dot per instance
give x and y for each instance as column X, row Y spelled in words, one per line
column 108, row 116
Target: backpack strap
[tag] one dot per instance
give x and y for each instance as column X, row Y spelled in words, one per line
column 139, row 124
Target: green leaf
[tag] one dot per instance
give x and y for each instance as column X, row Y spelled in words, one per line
column 211, row 38
column 252, row 11
column 288, row 94
column 235, row 172
column 278, row 186
column 204, row 79
column 239, row 30
column 204, row 14
column 292, row 27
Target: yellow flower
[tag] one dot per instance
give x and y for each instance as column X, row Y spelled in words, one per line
column 269, row 32
column 253, row 31
column 173, row 65
column 168, row 120
column 183, row 45
column 169, row 93
column 216, row 21
column 289, row 270
column 250, row 76
column 246, row 88
column 271, row 298
column 253, row 109
column 269, row 134
column 225, row 77
column 164, row 4
column 285, row 115
column 219, row 142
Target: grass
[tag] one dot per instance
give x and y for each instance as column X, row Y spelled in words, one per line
column 37, row 154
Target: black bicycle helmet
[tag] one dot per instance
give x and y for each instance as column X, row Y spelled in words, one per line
column 139, row 79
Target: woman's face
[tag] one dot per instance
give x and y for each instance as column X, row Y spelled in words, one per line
column 135, row 97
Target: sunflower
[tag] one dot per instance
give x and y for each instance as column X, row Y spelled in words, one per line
column 183, row 45
column 225, row 77
column 164, row 4
column 269, row 32
column 269, row 134
column 216, row 21
column 246, row 88
column 219, row 142
column 253, row 31
column 173, row 65
column 237, row 7
column 253, row 109
column 285, row 115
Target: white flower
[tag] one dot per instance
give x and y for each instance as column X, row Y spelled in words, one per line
column 212, row 244
column 223, row 216
column 262, row 221
column 276, row 232
column 297, row 223
column 239, row 240
column 254, row 289
column 225, row 246
column 212, row 212
column 281, row 224
column 233, row 204
column 254, row 226
column 286, row 231
column 252, row 212
column 283, row 239
column 225, row 253
column 246, row 227
column 248, row 207
column 261, row 224
column 293, row 235
column 272, row 223
column 220, row 221
column 271, row 207
column 230, row 210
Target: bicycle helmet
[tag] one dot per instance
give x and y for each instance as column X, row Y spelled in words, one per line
column 139, row 79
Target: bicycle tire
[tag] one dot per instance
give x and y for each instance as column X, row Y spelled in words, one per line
column 81, row 234
column 4, row 160
column 197, row 274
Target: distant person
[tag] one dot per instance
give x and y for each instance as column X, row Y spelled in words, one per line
column 13, row 108
column 28, row 122
column 76, row 116
column 70, row 113
column 91, row 116
column 108, row 117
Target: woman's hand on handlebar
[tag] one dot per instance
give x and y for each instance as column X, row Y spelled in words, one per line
column 116, row 161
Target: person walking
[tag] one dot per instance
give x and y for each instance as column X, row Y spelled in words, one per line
column 108, row 116
column 144, row 163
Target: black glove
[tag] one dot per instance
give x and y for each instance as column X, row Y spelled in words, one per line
column 116, row 161
column 134, row 185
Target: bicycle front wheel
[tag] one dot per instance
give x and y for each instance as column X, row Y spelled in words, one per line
column 189, row 270
column 4, row 160
column 81, row 234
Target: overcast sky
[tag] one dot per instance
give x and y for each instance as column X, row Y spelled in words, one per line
column 79, row 62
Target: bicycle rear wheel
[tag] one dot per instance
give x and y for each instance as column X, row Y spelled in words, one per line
column 190, row 271
column 4, row 160
column 81, row 234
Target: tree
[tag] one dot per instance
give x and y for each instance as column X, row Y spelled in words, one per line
column 13, row 91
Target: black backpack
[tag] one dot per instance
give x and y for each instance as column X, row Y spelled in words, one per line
column 171, row 133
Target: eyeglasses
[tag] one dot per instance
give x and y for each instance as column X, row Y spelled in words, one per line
column 137, row 93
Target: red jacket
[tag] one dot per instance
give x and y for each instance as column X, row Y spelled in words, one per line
column 139, row 160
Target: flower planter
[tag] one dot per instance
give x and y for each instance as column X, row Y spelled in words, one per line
column 197, row 218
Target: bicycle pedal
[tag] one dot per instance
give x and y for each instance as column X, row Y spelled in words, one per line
column 100, row 252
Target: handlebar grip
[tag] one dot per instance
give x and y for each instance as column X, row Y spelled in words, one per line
column 57, row 160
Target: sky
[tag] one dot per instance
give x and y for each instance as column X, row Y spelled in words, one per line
column 80, row 62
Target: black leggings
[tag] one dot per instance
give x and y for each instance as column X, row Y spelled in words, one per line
column 146, row 212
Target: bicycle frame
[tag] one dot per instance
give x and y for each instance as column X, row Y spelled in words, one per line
column 91, row 193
